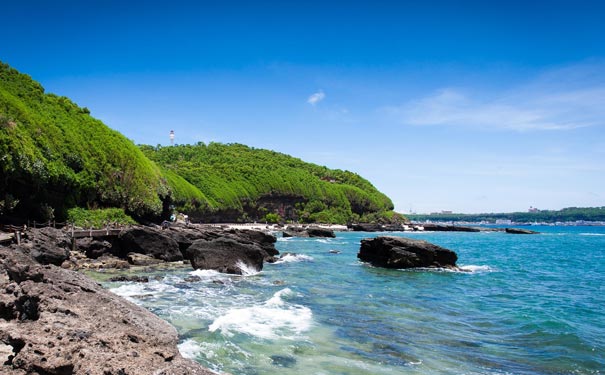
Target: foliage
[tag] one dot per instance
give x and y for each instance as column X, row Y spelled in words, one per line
column 98, row 218
column 240, row 178
column 54, row 156
column 548, row 216
column 272, row 218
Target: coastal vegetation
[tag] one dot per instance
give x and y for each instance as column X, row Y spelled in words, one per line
column 237, row 180
column 54, row 157
column 569, row 214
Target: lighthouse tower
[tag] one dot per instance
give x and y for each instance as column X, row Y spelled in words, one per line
column 172, row 138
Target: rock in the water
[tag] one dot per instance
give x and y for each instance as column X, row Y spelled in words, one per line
column 399, row 252
column 137, row 259
column 145, row 240
column 133, row 278
column 308, row 232
column 519, row 231
column 56, row 321
column 226, row 255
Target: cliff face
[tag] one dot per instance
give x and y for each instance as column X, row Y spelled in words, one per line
column 55, row 321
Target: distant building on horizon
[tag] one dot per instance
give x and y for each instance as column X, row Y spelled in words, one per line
column 532, row 209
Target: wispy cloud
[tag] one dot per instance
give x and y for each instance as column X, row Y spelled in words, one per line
column 316, row 98
column 550, row 102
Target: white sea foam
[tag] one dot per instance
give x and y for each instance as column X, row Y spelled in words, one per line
column 292, row 258
column 476, row 269
column 272, row 320
column 592, row 234
column 247, row 270
column 190, row 348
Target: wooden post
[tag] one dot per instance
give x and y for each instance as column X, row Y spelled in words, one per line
column 18, row 236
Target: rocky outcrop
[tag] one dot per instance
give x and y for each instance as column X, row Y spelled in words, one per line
column 519, row 231
column 56, row 321
column 152, row 242
column 47, row 245
column 372, row 227
column 308, row 232
column 226, row 255
column 449, row 228
column 398, row 252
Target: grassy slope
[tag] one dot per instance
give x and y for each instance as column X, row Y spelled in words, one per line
column 55, row 156
column 234, row 176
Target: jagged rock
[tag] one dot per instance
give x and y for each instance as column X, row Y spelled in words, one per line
column 98, row 246
column 519, row 231
column 226, row 255
column 47, row 245
column 56, row 321
column 367, row 227
column 399, row 252
column 150, row 242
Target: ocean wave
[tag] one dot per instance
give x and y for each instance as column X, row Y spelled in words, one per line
column 190, row 349
column 293, row 258
column 476, row 269
column 274, row 319
column 135, row 291
column 247, row 270
column 592, row 234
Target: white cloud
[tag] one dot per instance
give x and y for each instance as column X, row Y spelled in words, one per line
column 543, row 104
column 316, row 98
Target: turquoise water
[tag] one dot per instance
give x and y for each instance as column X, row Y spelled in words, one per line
column 528, row 305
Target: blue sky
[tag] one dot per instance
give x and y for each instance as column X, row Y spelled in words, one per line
column 470, row 106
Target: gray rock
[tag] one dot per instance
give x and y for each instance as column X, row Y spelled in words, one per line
column 225, row 255
column 152, row 242
column 399, row 252
column 56, row 321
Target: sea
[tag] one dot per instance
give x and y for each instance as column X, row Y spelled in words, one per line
column 522, row 304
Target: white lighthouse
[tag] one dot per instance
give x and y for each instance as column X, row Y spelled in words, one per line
column 172, row 138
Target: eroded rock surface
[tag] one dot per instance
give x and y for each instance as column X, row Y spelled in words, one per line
column 56, row 321
column 399, row 252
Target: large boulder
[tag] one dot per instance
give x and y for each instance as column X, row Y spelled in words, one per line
column 399, row 252
column 56, row 321
column 48, row 245
column 226, row 255
column 152, row 242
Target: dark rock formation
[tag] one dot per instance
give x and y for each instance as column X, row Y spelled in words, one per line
column 226, row 255
column 47, row 245
column 308, row 232
column 372, row 227
column 449, row 228
column 148, row 241
column 98, row 246
column 519, row 231
column 398, row 252
column 56, row 321
column 133, row 278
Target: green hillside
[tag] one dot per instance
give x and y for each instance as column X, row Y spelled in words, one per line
column 55, row 156
column 237, row 181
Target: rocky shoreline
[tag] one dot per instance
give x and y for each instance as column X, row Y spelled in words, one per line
column 54, row 320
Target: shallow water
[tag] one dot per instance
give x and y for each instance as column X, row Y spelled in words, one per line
column 529, row 304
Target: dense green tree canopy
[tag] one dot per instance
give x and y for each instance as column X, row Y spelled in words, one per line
column 54, row 156
column 253, row 182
